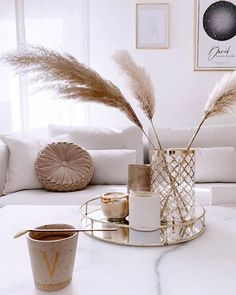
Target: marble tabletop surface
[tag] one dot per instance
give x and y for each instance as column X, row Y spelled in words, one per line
column 204, row 266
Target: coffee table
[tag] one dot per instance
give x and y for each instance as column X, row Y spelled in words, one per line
column 205, row 266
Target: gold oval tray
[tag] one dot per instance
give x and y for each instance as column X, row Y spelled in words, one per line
column 171, row 234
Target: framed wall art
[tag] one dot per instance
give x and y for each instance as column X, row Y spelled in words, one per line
column 152, row 25
column 215, row 38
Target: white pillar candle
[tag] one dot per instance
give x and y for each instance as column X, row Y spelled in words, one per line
column 144, row 210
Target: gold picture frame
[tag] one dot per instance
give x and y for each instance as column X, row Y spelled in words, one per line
column 152, row 25
column 211, row 51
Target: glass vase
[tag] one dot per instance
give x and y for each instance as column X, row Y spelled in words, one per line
column 172, row 176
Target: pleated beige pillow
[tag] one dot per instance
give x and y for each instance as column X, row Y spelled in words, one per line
column 63, row 167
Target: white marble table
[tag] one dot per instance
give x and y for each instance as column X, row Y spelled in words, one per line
column 205, row 266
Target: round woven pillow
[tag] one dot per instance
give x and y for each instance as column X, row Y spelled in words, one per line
column 63, row 167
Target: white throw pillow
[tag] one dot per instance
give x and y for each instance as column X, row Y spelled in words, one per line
column 209, row 136
column 100, row 138
column 217, row 164
column 22, row 156
column 111, row 166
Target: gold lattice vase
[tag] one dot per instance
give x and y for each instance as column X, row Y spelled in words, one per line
column 172, row 176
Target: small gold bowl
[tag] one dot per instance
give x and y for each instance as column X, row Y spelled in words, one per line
column 115, row 206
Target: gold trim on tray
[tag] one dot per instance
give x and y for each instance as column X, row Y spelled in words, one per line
column 165, row 234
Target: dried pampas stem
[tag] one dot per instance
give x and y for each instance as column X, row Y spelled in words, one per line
column 223, row 96
column 221, row 100
column 138, row 80
column 196, row 133
column 157, row 137
column 70, row 78
column 140, row 84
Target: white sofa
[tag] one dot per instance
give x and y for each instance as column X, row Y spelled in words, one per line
column 130, row 138
column 90, row 138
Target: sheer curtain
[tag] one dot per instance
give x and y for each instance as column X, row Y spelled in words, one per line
column 57, row 24
column 9, row 94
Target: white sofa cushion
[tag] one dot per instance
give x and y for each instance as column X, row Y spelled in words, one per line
column 215, row 193
column 22, row 154
column 223, row 194
column 111, row 166
column 3, row 165
column 216, row 164
column 43, row 197
column 97, row 138
column 209, row 136
column 205, row 194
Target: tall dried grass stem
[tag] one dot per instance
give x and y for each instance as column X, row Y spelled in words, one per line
column 70, row 78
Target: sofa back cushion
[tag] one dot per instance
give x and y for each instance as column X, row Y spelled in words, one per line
column 98, row 138
column 216, row 164
column 3, row 165
column 111, row 166
column 209, row 136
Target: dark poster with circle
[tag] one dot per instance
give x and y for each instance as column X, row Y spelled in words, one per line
column 215, row 46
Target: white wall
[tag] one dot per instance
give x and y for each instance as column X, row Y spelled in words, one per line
column 181, row 92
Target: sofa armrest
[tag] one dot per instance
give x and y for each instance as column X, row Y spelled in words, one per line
column 3, row 166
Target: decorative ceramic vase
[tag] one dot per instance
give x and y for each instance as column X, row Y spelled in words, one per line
column 172, row 176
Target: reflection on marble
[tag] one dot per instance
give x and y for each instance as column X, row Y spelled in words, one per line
column 141, row 237
column 206, row 265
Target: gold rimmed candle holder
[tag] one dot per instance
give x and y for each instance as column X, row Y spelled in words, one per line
column 115, row 206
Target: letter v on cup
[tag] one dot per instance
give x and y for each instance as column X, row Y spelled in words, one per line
column 144, row 210
column 52, row 256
